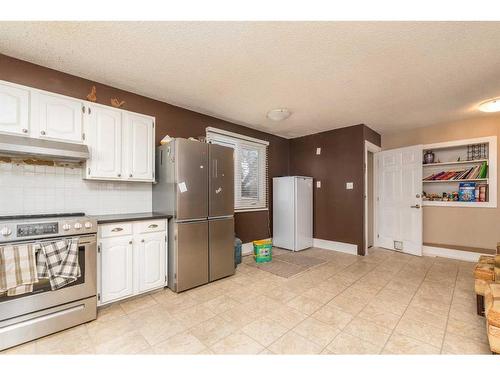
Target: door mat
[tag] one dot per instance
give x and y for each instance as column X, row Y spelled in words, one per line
column 288, row 264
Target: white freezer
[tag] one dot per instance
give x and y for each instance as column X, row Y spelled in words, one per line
column 293, row 212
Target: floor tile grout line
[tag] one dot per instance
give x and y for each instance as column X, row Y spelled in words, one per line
column 448, row 315
column 408, row 305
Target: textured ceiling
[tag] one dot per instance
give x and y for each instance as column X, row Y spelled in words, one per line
column 388, row 75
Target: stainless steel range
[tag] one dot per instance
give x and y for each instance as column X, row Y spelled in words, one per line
column 44, row 311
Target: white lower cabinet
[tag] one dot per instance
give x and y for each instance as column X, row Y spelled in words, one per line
column 151, row 258
column 133, row 259
column 116, row 268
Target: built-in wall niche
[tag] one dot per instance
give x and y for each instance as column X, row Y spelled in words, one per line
column 460, row 173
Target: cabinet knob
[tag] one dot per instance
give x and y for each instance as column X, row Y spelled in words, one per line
column 25, row 130
column 42, row 132
column 130, row 175
column 142, row 240
column 119, row 175
column 130, row 242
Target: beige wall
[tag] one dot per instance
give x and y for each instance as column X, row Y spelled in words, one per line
column 473, row 227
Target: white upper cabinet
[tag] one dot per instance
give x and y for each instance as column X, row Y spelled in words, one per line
column 14, row 109
column 58, row 117
column 138, row 148
column 104, row 138
column 121, row 143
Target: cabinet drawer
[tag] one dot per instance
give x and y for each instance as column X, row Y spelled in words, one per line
column 115, row 230
column 149, row 226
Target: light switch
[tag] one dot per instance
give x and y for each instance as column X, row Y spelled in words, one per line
column 349, row 185
column 318, row 184
column 318, row 150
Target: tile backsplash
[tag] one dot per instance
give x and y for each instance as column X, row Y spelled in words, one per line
column 35, row 189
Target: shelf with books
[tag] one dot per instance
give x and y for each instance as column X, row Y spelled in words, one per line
column 450, row 175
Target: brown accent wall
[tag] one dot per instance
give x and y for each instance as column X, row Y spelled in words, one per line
column 455, row 227
column 338, row 213
column 172, row 120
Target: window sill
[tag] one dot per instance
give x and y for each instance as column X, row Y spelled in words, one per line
column 251, row 210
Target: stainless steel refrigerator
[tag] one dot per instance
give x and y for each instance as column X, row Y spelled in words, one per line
column 195, row 184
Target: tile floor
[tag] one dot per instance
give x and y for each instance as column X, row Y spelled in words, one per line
column 386, row 302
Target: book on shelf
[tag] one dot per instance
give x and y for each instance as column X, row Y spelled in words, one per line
column 472, row 173
column 467, row 192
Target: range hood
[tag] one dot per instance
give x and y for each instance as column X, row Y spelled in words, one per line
column 12, row 145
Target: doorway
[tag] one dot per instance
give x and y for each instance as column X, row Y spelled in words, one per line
column 369, row 195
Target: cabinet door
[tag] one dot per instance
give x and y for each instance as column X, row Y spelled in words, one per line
column 14, row 109
column 138, row 148
column 116, row 268
column 151, row 258
column 58, row 118
column 104, row 129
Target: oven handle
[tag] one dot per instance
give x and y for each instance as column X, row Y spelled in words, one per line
column 83, row 240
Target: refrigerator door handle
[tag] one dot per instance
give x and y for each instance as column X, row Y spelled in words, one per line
column 214, row 174
column 191, row 220
column 220, row 217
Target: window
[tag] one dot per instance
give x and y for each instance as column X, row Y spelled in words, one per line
column 250, row 168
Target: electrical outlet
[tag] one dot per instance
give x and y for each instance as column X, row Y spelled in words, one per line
column 398, row 245
column 349, row 185
column 318, row 150
column 318, row 184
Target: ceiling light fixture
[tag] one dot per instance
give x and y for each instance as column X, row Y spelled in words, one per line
column 492, row 105
column 278, row 114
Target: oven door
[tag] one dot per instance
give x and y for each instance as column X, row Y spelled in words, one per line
column 43, row 297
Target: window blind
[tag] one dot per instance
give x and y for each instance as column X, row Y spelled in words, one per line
column 250, row 168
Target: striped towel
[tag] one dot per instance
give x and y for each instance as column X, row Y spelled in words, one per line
column 17, row 269
column 58, row 262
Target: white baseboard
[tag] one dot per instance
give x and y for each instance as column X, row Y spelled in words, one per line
column 442, row 252
column 336, row 246
column 247, row 248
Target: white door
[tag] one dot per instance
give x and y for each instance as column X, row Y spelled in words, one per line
column 151, row 257
column 138, row 151
column 58, row 118
column 14, row 109
column 116, row 268
column 399, row 192
column 104, row 130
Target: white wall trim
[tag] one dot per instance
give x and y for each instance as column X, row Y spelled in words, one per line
column 210, row 129
column 336, row 246
column 370, row 147
column 442, row 252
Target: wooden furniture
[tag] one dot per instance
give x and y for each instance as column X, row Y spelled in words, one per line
column 492, row 304
column 132, row 259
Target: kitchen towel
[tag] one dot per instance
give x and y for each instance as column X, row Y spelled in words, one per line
column 17, row 269
column 58, row 262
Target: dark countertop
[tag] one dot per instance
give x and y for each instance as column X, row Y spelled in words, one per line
column 107, row 219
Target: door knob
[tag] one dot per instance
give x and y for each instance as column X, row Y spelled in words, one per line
column 416, row 206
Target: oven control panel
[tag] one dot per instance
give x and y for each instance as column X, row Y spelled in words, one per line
column 37, row 229
column 12, row 231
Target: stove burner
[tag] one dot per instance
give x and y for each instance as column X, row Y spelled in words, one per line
column 41, row 216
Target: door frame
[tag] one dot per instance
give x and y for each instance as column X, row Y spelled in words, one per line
column 370, row 147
